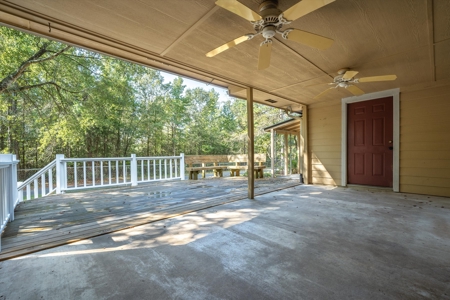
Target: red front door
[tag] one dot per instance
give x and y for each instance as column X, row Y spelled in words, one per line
column 369, row 142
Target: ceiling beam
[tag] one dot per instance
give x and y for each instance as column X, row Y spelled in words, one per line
column 191, row 29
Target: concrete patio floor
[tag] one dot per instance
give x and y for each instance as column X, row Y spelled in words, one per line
column 306, row 242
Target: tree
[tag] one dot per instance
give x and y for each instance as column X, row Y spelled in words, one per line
column 60, row 99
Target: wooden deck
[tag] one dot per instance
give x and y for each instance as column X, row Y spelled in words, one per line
column 61, row 219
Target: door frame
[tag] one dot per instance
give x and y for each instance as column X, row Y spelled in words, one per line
column 395, row 94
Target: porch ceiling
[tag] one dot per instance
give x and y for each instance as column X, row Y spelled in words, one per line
column 376, row 37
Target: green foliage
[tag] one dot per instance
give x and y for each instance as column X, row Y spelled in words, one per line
column 60, row 99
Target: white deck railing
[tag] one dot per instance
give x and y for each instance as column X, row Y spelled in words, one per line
column 65, row 174
column 84, row 173
column 8, row 189
column 41, row 184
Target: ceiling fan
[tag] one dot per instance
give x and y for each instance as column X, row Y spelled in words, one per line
column 345, row 79
column 269, row 22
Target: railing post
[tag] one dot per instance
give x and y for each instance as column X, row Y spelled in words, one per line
column 14, row 184
column 133, row 170
column 182, row 167
column 19, row 193
column 10, row 181
column 60, row 174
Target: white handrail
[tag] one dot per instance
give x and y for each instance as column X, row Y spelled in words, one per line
column 37, row 174
column 8, row 189
column 115, row 171
column 41, row 181
column 65, row 173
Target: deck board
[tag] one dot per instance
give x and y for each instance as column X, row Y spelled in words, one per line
column 61, row 219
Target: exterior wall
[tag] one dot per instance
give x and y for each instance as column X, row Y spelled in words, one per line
column 325, row 142
column 424, row 141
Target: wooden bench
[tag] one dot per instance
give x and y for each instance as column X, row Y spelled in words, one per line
column 197, row 163
column 203, row 163
column 240, row 159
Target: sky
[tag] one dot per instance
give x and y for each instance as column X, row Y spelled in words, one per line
column 192, row 84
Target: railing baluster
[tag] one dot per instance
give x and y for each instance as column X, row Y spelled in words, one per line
column 43, row 185
column 170, row 161
column 142, row 170
column 101, row 172
column 124, row 169
column 50, row 180
column 117, row 171
column 84, row 173
column 165, row 168
column 160, row 172
column 29, row 191
column 75, row 175
column 109, row 171
column 154, row 169
column 148, row 169
column 176, row 167
column 93, row 173
column 36, row 189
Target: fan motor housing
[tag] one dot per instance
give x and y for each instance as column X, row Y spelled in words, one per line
column 269, row 11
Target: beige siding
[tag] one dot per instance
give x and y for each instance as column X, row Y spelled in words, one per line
column 325, row 142
column 425, row 141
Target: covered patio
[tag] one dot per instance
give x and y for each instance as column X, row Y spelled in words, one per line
column 306, row 242
column 339, row 236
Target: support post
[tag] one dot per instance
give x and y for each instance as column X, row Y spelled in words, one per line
column 60, row 174
column 133, row 170
column 299, row 162
column 286, row 153
column 182, row 167
column 250, row 137
column 304, row 145
column 272, row 151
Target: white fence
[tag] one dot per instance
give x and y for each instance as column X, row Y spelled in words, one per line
column 66, row 174
column 8, row 189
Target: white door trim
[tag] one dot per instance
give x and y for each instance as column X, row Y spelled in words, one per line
column 395, row 94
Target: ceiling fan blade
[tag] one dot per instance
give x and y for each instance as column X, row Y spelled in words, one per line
column 324, row 93
column 309, row 39
column 239, row 9
column 378, row 78
column 264, row 56
column 304, row 7
column 355, row 90
column 349, row 75
column 227, row 46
